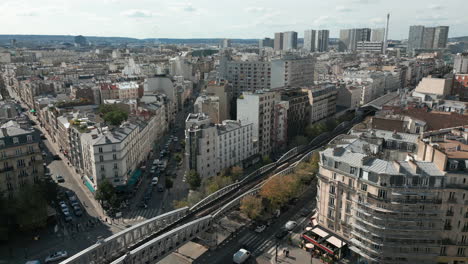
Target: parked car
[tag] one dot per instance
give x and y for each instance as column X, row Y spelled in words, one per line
column 290, row 225
column 282, row 233
column 154, row 181
column 304, row 212
column 60, row 178
column 241, row 256
column 260, row 228
column 160, row 188
column 59, row 255
column 68, row 218
column 77, row 210
column 57, row 157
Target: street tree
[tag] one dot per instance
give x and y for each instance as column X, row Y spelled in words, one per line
column 193, row 179
column 105, row 191
column 30, row 208
column 252, row 207
column 300, row 140
column 216, row 183
column 115, row 118
column 169, row 183
column 275, row 191
column 180, row 203
column 266, row 159
column 236, row 173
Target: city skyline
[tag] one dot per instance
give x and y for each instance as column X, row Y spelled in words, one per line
column 200, row 19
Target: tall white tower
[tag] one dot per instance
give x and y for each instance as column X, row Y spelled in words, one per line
column 386, row 35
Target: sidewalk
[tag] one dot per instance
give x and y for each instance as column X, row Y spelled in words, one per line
column 296, row 256
column 97, row 207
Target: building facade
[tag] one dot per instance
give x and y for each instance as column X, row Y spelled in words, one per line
column 22, row 162
column 210, row 148
column 395, row 198
column 310, row 40
column 322, row 40
column 292, row 71
column 259, row 108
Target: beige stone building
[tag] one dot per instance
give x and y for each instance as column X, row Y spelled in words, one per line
column 21, row 158
column 396, row 197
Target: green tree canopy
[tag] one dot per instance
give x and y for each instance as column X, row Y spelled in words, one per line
column 105, row 191
column 115, row 118
column 252, row 207
column 193, row 179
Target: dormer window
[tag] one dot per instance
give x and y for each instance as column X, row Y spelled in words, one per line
column 15, row 140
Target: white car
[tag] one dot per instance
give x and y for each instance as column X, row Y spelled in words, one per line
column 56, row 256
column 260, row 228
column 154, row 181
column 290, row 225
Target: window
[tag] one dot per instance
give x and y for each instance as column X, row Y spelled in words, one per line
column 2, row 143
column 19, row 152
column 382, row 193
column 116, row 174
column 114, row 148
column 29, row 138
column 30, row 149
column 115, row 166
column 331, row 201
column 15, row 140
column 334, row 175
column 101, row 158
column 350, row 182
column 114, row 156
column 352, row 170
column 363, row 187
column 100, row 149
column 20, row 163
column 332, row 189
column 461, row 252
column 443, row 251
column 103, row 168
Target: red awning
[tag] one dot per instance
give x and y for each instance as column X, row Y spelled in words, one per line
column 318, row 244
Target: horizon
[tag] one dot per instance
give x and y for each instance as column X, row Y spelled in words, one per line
column 143, row 19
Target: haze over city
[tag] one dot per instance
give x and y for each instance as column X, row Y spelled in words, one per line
column 221, row 19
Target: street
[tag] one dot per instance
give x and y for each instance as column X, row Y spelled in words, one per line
column 261, row 245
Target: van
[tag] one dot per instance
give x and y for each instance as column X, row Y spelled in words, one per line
column 154, row 181
column 241, row 256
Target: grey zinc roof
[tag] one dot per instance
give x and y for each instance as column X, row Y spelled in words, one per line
column 427, row 168
column 355, row 160
column 12, row 128
column 388, row 135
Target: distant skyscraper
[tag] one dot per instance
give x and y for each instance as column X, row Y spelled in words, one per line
column 309, row 40
column 225, row 43
column 278, row 44
column 266, row 42
column 350, row 37
column 385, row 44
column 428, row 38
column 415, row 39
column 322, row 40
column 289, row 40
column 440, row 37
column 377, row 34
column 421, row 37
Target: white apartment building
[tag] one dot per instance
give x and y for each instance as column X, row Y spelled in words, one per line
column 111, row 154
column 245, row 75
column 292, row 71
column 210, row 148
column 322, row 100
column 259, row 108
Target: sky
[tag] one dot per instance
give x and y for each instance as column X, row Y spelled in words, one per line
column 224, row 18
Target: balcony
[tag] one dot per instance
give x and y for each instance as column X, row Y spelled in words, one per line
column 449, row 213
column 447, row 227
column 452, row 200
column 5, row 169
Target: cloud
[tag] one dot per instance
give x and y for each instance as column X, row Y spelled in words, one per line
column 377, row 20
column 137, row 13
column 364, row 1
column 28, row 13
column 431, row 18
column 189, row 8
column 255, row 9
column 435, row 7
column 343, row 9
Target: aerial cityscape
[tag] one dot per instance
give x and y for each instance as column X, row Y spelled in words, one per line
column 204, row 132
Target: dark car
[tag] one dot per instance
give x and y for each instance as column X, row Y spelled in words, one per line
column 57, row 157
column 60, row 178
column 281, row 234
column 160, row 188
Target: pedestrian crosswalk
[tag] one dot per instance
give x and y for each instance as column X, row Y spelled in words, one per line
column 140, row 215
column 258, row 245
